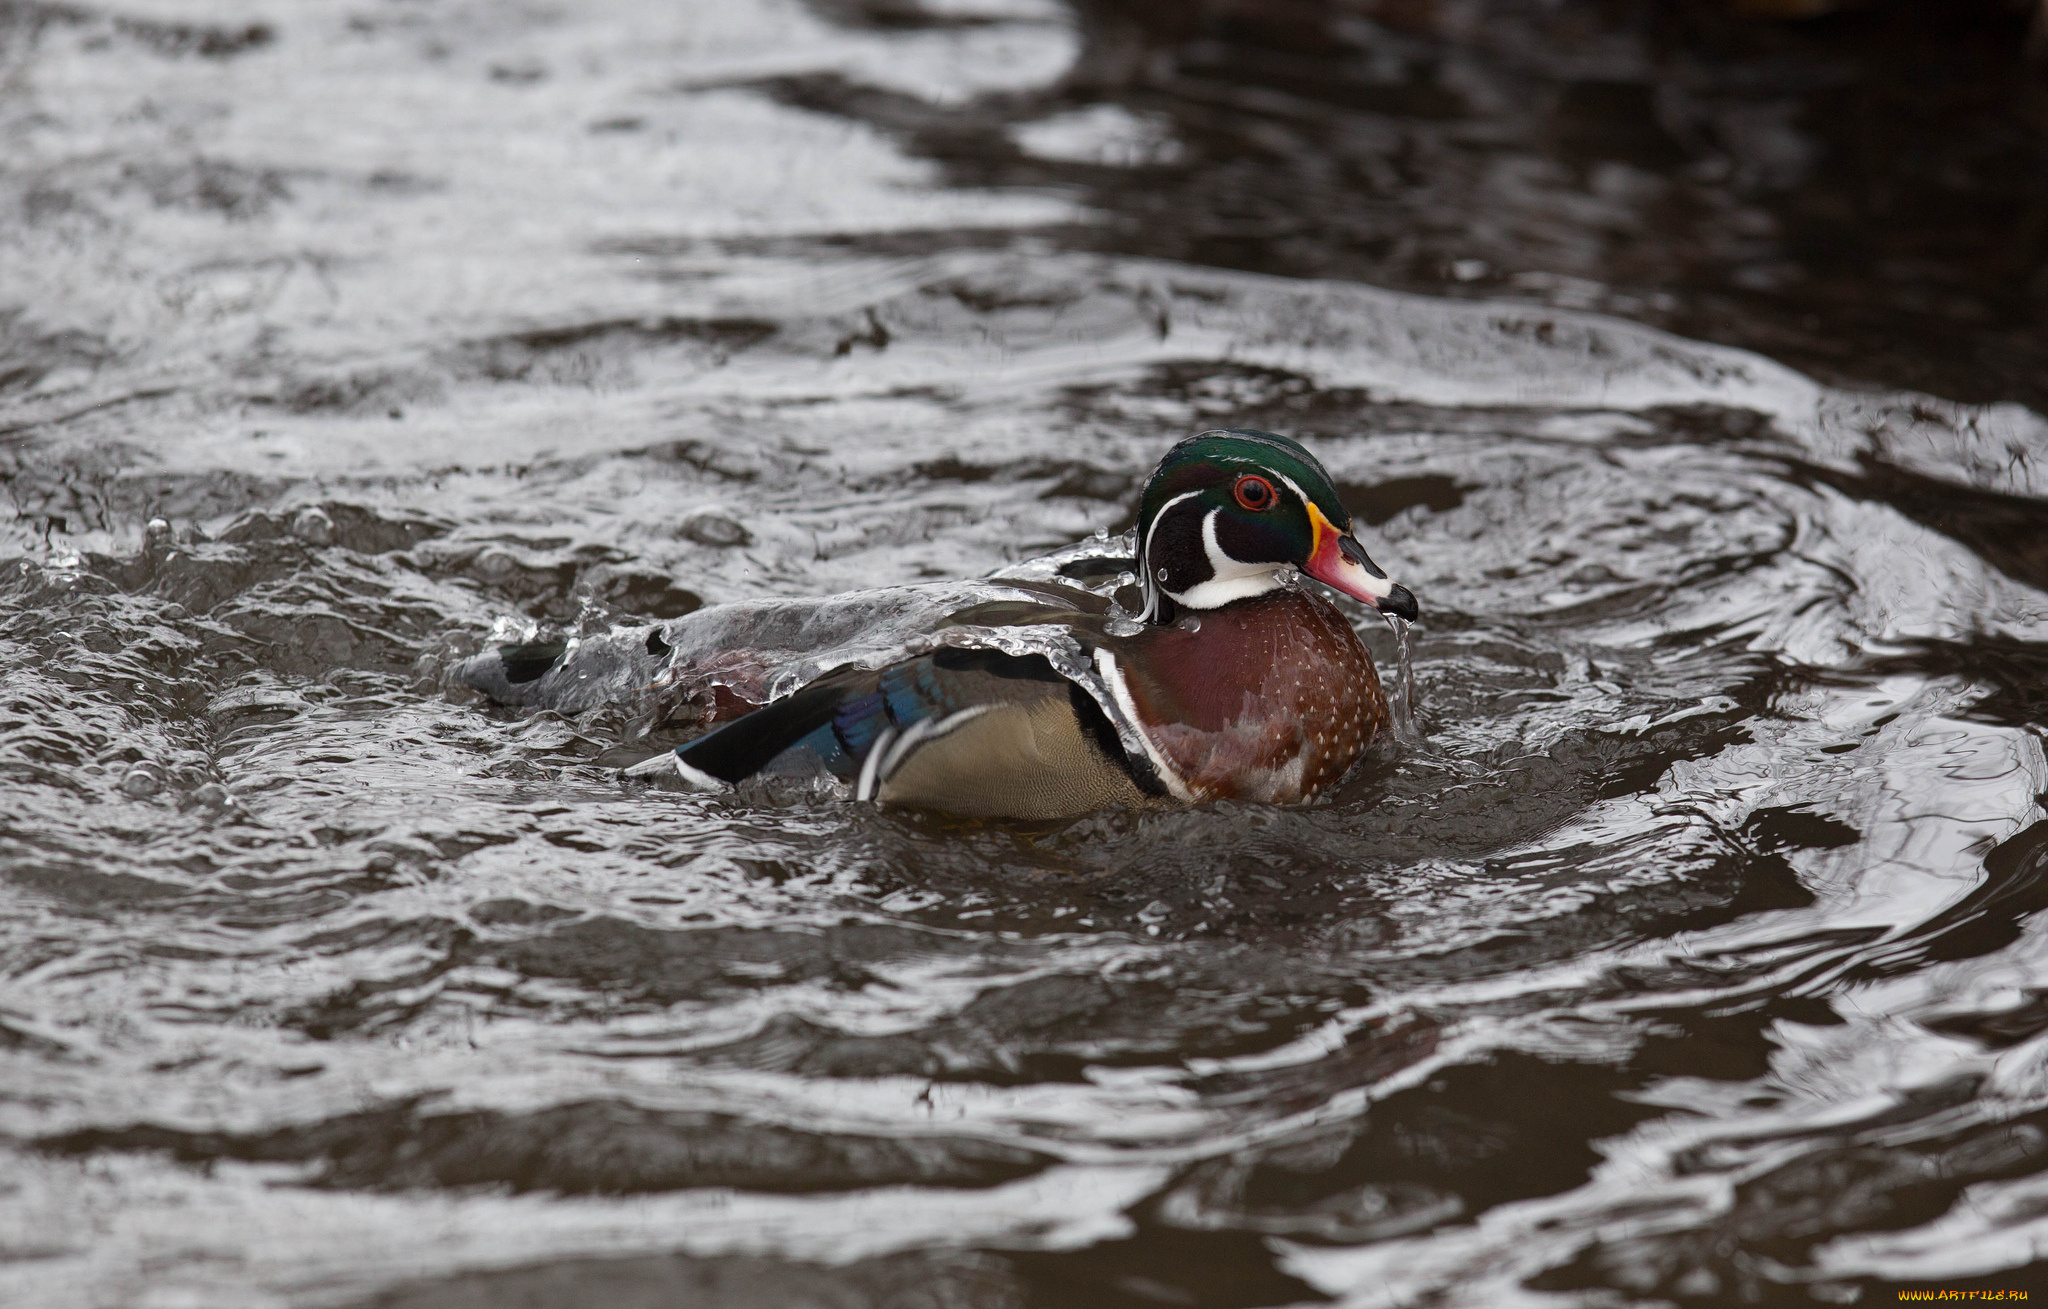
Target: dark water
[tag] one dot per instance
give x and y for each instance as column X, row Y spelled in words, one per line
column 1694, row 957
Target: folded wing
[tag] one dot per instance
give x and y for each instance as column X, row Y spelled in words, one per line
column 971, row 731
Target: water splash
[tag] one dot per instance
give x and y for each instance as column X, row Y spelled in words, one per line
column 1402, row 703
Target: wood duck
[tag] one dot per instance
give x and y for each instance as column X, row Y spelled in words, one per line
column 1231, row 680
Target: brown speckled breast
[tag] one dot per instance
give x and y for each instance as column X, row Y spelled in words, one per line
column 1272, row 698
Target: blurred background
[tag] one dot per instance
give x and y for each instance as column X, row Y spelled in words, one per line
column 1852, row 186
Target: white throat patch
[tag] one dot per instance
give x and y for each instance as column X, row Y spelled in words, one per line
column 1230, row 579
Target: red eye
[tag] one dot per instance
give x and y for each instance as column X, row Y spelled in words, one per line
column 1255, row 493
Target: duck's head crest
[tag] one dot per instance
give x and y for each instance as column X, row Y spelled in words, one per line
column 1228, row 514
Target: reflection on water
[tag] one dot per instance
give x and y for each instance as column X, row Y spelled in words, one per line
column 1686, row 954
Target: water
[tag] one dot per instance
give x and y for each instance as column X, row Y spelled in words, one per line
column 1688, row 954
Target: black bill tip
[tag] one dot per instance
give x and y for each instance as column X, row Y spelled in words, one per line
column 1399, row 603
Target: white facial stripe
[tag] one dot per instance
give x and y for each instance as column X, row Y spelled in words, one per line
column 1221, row 566
column 1303, row 495
column 1230, row 579
column 1147, row 579
column 1168, row 506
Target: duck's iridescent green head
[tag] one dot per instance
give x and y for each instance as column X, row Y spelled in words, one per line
column 1228, row 514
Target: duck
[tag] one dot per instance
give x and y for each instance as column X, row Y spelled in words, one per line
column 1227, row 678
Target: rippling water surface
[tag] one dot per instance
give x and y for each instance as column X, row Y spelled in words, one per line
column 1691, row 955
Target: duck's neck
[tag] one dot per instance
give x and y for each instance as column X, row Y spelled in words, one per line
column 1172, row 613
